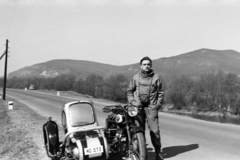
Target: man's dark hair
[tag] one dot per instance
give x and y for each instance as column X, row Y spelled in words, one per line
column 145, row 58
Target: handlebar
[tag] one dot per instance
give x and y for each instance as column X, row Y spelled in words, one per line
column 112, row 108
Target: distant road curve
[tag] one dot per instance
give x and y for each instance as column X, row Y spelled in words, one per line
column 183, row 138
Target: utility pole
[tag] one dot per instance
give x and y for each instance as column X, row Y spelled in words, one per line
column 5, row 70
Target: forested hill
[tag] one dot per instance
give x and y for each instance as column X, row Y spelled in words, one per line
column 192, row 63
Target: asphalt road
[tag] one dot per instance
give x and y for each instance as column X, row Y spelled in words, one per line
column 183, row 138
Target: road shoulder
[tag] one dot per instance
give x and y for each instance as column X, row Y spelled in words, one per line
column 22, row 135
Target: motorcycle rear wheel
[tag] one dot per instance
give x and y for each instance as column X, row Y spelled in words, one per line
column 139, row 147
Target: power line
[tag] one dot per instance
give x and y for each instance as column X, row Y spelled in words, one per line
column 21, row 16
column 11, row 17
column 25, row 20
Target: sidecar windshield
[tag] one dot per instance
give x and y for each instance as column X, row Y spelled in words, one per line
column 81, row 114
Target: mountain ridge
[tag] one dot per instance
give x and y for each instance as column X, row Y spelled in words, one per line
column 192, row 63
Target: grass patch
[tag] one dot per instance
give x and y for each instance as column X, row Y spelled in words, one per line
column 21, row 133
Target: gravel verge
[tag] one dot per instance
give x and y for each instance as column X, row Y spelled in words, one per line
column 21, row 133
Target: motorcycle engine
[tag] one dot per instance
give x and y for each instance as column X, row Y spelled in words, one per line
column 115, row 135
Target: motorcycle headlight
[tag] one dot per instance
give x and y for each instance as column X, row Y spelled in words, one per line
column 132, row 111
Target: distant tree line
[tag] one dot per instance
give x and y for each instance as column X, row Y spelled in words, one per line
column 112, row 88
column 211, row 92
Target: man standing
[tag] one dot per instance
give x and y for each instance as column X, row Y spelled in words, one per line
column 145, row 90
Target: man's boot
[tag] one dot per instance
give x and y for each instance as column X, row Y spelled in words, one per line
column 159, row 156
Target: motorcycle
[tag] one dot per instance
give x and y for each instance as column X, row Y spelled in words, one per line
column 124, row 135
column 84, row 139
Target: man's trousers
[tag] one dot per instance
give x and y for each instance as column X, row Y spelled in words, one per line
column 151, row 115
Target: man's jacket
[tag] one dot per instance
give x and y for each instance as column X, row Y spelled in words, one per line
column 146, row 84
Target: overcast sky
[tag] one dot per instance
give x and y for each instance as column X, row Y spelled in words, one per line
column 117, row 32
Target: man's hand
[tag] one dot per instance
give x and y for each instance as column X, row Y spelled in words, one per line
column 135, row 103
column 159, row 106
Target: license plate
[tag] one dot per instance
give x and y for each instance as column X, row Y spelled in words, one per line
column 93, row 150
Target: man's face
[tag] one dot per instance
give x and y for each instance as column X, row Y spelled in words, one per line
column 146, row 65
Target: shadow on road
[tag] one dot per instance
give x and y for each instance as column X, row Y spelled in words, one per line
column 167, row 152
column 175, row 150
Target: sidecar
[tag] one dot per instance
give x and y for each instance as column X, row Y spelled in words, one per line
column 84, row 139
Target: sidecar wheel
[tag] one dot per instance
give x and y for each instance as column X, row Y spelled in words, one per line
column 139, row 146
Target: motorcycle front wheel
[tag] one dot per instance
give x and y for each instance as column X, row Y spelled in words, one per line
column 139, row 147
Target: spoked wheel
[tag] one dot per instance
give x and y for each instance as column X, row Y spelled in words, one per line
column 139, row 147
